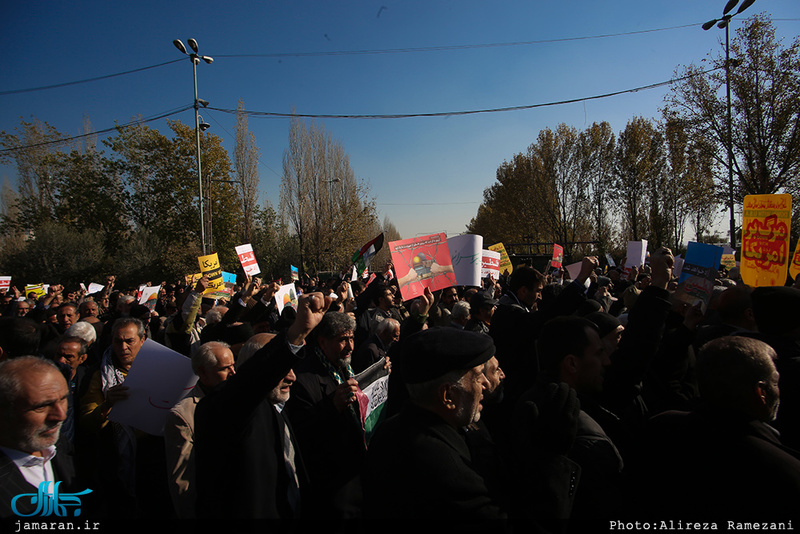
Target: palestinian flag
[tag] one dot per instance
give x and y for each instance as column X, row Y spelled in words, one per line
column 362, row 256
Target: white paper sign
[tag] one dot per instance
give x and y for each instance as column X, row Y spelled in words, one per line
column 286, row 296
column 95, row 288
column 248, row 259
column 490, row 264
column 637, row 251
column 466, row 252
column 149, row 296
column 157, row 380
column 574, row 270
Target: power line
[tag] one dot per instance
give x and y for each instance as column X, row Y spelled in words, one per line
column 106, row 130
column 86, row 80
column 453, row 47
column 363, row 52
column 268, row 114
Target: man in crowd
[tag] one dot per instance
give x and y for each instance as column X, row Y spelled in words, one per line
column 243, row 417
column 723, row 459
column 327, row 416
column 376, row 347
column 481, row 308
column 213, row 363
column 33, row 406
column 129, row 464
column 419, row 464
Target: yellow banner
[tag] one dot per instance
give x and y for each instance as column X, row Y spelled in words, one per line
column 209, row 266
column 505, row 262
column 766, row 220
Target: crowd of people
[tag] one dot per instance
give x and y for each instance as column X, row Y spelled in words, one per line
column 532, row 403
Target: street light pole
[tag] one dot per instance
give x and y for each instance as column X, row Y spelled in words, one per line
column 724, row 22
column 195, row 59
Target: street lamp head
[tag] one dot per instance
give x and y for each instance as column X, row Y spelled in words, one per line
column 207, row 59
column 710, row 24
column 203, row 125
column 723, row 23
column 202, row 102
column 745, row 5
column 193, row 44
column 179, row 45
column 730, row 5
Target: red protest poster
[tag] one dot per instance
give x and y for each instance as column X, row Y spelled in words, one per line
column 422, row 262
column 558, row 256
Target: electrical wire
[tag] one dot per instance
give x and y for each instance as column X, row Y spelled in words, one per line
column 87, row 80
column 97, row 132
column 269, row 114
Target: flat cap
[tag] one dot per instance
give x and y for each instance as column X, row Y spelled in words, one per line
column 434, row 352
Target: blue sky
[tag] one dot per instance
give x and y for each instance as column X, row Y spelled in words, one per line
column 427, row 174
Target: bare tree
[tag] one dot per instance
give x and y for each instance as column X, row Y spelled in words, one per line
column 329, row 210
column 245, row 159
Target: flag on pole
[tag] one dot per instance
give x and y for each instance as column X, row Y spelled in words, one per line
column 362, row 256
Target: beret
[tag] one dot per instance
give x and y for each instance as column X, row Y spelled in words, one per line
column 432, row 353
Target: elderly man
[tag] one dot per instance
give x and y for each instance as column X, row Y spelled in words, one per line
column 213, row 363
column 88, row 308
column 419, row 464
column 241, row 418
column 460, row 314
column 129, row 463
column 33, row 406
column 377, row 346
column 326, row 415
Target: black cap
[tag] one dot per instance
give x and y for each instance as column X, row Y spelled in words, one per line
column 434, row 352
column 481, row 299
column 605, row 322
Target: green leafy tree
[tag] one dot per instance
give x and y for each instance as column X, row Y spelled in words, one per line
column 765, row 111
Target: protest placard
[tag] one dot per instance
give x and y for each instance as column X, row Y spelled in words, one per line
column 490, row 264
column 295, row 272
column 286, row 296
column 558, row 256
column 422, row 262
column 794, row 267
column 699, row 258
column 506, row 268
column 209, row 267
column 637, row 252
column 465, row 256
column 157, row 380
column 5, row 283
column 697, row 287
column 149, row 296
column 248, row 259
column 728, row 261
column 95, row 288
column 766, row 220
column 35, row 291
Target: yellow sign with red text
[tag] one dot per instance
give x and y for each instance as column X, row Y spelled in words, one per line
column 766, row 221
